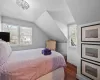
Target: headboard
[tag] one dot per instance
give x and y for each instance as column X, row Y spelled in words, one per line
column 51, row 44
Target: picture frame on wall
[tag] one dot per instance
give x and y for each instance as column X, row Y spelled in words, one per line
column 90, row 33
column 90, row 70
column 90, row 52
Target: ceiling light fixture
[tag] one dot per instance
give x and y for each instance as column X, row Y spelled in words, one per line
column 23, row 4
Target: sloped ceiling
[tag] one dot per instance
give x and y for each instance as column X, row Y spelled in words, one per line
column 63, row 28
column 63, row 16
column 11, row 9
column 85, row 11
column 48, row 25
column 57, row 12
column 37, row 7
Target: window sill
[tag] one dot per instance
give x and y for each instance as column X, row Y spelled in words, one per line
column 20, row 45
column 73, row 47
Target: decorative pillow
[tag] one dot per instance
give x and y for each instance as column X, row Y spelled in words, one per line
column 46, row 51
column 5, row 51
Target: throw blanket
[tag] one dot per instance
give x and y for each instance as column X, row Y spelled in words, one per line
column 32, row 69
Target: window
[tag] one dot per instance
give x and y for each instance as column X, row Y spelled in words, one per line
column 13, row 32
column 73, row 35
column 25, row 35
column 18, row 35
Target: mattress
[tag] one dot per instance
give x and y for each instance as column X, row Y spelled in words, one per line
column 30, row 64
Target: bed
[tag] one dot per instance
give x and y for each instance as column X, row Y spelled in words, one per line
column 33, row 65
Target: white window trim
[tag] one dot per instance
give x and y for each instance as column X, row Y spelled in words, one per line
column 30, row 35
column 15, row 45
column 69, row 38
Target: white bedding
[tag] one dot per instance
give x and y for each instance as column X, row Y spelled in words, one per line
column 31, row 54
column 32, row 63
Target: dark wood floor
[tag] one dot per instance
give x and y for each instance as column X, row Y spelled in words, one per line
column 70, row 72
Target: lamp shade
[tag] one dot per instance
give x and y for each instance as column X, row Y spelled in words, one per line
column 5, row 36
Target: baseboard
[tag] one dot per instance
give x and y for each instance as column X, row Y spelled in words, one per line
column 71, row 64
column 80, row 77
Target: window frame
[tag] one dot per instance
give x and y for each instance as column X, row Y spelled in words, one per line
column 69, row 36
column 19, row 44
column 24, row 35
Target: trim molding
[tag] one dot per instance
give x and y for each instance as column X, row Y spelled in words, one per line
column 80, row 77
column 88, row 24
column 87, row 58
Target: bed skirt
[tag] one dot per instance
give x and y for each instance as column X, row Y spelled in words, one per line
column 57, row 74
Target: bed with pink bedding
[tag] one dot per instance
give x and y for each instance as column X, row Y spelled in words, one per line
column 30, row 64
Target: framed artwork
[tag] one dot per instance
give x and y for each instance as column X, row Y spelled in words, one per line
column 90, row 52
column 90, row 33
column 90, row 70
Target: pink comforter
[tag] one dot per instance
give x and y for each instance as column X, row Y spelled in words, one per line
column 31, row 69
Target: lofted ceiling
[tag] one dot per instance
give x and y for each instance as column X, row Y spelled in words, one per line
column 85, row 11
column 11, row 9
column 63, row 28
column 49, row 26
column 63, row 16
column 59, row 11
column 37, row 7
column 55, row 11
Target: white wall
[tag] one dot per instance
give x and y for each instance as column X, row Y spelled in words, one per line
column 0, row 22
column 38, row 37
column 49, row 26
column 79, row 76
column 63, row 28
column 85, row 12
column 62, row 48
column 72, row 54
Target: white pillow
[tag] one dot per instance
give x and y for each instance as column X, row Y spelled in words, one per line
column 5, row 51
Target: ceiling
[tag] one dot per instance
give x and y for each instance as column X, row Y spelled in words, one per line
column 62, row 13
column 63, row 16
column 37, row 7
column 85, row 11
column 49, row 26
column 57, row 10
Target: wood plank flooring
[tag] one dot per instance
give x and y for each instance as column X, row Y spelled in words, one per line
column 70, row 72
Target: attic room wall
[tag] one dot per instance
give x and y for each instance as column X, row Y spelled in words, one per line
column 72, row 55
column 79, row 75
column 62, row 48
column 0, row 22
column 49, row 26
column 38, row 36
column 85, row 12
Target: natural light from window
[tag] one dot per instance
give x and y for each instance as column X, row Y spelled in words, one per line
column 18, row 35
column 73, row 35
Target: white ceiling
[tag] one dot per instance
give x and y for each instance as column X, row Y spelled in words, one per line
column 49, row 26
column 63, row 28
column 64, row 16
column 37, row 7
column 61, row 11
column 57, row 10
column 11, row 9
column 85, row 11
